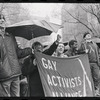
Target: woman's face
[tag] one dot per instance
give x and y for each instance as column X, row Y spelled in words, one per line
column 60, row 48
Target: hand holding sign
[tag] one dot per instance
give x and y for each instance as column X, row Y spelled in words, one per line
column 87, row 50
column 60, row 77
column 34, row 62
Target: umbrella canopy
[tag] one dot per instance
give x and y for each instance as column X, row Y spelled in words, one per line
column 32, row 28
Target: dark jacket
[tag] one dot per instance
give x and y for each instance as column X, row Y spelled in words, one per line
column 71, row 52
column 93, row 51
column 35, row 85
column 9, row 54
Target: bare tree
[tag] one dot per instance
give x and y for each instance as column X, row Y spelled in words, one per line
column 78, row 21
column 13, row 12
column 92, row 9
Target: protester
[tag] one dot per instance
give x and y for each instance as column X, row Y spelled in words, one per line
column 60, row 51
column 31, row 71
column 73, row 50
column 10, row 69
column 23, row 79
column 89, row 47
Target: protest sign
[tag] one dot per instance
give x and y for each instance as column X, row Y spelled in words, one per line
column 65, row 77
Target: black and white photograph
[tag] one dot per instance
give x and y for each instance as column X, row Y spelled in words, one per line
column 49, row 49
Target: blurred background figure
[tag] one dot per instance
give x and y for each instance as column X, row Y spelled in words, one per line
column 73, row 50
column 89, row 47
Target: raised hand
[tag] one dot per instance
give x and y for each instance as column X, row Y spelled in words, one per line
column 58, row 38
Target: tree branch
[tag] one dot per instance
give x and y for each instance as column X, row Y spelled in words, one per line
column 80, row 21
column 93, row 13
column 98, row 7
column 2, row 7
column 92, row 9
column 72, row 22
column 86, row 10
column 93, row 28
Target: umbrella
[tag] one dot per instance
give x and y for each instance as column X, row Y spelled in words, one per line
column 32, row 28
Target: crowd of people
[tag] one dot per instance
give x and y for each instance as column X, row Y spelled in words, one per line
column 19, row 75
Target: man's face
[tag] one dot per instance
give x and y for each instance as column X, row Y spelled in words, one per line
column 60, row 48
column 39, row 48
column 88, row 36
column 2, row 22
column 2, row 31
column 75, row 45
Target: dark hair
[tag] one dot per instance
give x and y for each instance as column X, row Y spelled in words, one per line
column 65, row 43
column 72, row 42
column 86, row 33
column 36, row 44
column 61, row 43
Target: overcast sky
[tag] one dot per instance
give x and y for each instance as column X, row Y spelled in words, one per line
column 40, row 9
column 45, row 9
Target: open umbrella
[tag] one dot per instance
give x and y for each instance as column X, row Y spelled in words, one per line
column 32, row 28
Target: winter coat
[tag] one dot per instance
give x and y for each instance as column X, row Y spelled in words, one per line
column 9, row 54
column 93, row 51
column 31, row 71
